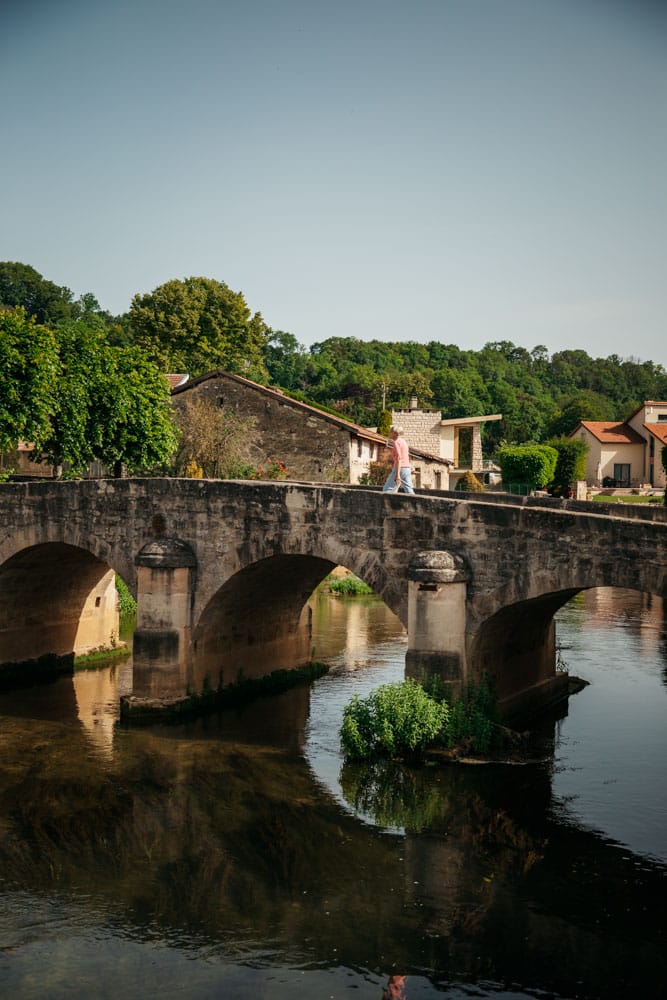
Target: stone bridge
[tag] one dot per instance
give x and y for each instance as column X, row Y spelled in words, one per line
column 222, row 572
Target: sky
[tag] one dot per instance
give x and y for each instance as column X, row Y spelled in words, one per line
column 463, row 171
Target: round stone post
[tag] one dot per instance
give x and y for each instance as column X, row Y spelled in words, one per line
column 437, row 586
column 162, row 653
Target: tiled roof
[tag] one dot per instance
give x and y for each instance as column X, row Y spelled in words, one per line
column 177, row 380
column 278, row 394
column 612, row 432
column 658, row 430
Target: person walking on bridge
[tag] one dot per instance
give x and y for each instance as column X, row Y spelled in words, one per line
column 400, row 474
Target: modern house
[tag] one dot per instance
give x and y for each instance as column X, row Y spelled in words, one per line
column 315, row 445
column 627, row 454
column 457, row 440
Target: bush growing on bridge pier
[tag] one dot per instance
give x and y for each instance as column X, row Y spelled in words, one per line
column 395, row 720
column 404, row 719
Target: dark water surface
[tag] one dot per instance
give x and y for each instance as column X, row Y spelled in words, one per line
column 236, row 858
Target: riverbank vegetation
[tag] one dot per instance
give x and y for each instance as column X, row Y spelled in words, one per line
column 348, row 586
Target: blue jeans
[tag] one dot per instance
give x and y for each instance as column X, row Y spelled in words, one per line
column 405, row 476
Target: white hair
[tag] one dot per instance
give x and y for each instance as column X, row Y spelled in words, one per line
column 396, row 428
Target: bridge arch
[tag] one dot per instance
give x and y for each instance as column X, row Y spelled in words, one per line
column 55, row 599
column 259, row 619
column 519, row 637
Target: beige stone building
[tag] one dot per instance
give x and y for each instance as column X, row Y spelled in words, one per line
column 457, row 440
column 316, row 446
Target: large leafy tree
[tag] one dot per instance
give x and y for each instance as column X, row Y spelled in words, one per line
column 131, row 421
column 585, row 405
column 29, row 366
column 22, row 285
column 286, row 360
column 199, row 324
column 111, row 405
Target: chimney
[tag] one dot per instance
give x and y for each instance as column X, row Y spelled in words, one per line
column 413, row 402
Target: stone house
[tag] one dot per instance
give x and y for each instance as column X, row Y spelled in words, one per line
column 316, row 446
column 626, row 454
column 457, row 440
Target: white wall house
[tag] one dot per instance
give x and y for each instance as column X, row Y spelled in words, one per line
column 628, row 453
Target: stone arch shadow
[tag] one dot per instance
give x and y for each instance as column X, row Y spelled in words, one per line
column 516, row 645
column 259, row 619
column 55, row 599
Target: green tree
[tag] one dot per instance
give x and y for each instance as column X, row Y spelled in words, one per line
column 112, row 405
column 585, row 405
column 571, row 463
column 22, row 285
column 197, row 325
column 69, row 438
column 29, row 369
column 286, row 360
column 460, row 393
column 131, row 420
column 384, row 422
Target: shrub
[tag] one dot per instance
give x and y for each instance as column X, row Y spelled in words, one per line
column 126, row 603
column 349, row 585
column 469, row 483
column 376, row 475
column 571, row 462
column 396, row 719
column 532, row 464
column 473, row 718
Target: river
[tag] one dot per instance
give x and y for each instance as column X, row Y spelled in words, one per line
column 235, row 856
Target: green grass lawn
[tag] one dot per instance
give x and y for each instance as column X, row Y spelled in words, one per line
column 601, row 498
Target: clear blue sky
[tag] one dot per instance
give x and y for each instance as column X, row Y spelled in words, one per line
column 456, row 170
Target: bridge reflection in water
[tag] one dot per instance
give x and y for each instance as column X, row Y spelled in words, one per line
column 214, row 858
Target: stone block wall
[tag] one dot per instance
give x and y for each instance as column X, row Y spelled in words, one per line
column 313, row 447
column 421, row 427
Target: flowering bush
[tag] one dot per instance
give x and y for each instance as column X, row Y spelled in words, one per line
column 271, row 469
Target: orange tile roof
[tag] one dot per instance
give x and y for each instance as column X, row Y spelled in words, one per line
column 176, row 380
column 612, row 432
column 658, row 430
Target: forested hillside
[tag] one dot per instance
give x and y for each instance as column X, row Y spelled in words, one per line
column 198, row 324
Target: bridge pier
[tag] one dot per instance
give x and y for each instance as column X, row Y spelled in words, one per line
column 162, row 649
column 437, row 590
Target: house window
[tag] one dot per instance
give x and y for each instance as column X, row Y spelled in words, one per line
column 622, row 473
column 359, row 448
column 662, row 418
column 417, row 479
column 438, row 480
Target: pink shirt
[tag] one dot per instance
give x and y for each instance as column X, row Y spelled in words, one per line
column 401, row 452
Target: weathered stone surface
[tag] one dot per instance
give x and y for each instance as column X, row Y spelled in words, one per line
column 249, row 554
column 438, row 567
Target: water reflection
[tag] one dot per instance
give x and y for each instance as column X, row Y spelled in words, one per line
column 226, row 857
